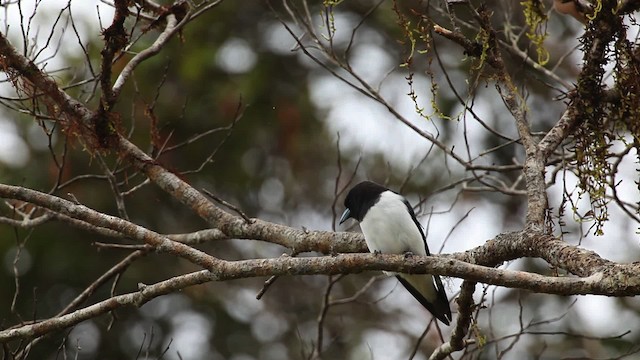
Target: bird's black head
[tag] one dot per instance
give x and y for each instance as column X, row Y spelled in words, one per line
column 360, row 199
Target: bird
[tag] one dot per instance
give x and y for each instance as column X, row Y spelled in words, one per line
column 390, row 226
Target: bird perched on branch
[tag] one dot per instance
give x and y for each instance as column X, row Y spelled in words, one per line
column 390, row 226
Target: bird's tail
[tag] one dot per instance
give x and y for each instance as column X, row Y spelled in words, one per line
column 429, row 291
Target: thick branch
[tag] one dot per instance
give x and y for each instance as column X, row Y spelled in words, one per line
column 619, row 278
column 128, row 229
column 502, row 248
column 115, row 38
column 15, row 64
column 230, row 225
column 349, row 263
column 355, row 263
column 533, row 167
column 234, row 226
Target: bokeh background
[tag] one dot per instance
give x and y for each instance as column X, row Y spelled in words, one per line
column 302, row 131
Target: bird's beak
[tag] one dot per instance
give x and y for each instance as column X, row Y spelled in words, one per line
column 345, row 215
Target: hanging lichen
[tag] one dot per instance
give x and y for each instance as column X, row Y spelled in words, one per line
column 536, row 20
column 606, row 116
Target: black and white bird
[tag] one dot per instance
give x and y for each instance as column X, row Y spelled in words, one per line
column 390, row 226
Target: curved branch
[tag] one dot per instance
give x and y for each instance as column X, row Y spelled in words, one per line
column 145, row 294
column 152, row 50
column 599, row 283
column 502, row 248
column 128, row 229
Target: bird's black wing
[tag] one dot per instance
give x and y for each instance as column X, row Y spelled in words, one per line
column 440, row 308
column 415, row 220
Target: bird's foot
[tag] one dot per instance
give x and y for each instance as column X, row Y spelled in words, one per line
column 408, row 255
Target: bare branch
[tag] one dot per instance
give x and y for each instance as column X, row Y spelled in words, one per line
column 170, row 30
column 341, row 264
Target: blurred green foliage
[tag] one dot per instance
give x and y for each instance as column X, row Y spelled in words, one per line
column 280, row 144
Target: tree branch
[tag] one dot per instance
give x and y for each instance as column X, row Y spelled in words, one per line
column 599, row 283
column 557, row 134
column 465, row 312
column 133, row 231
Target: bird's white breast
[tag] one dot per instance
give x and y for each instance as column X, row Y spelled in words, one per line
column 389, row 228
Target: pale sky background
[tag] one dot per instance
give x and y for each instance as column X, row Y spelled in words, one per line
column 346, row 112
